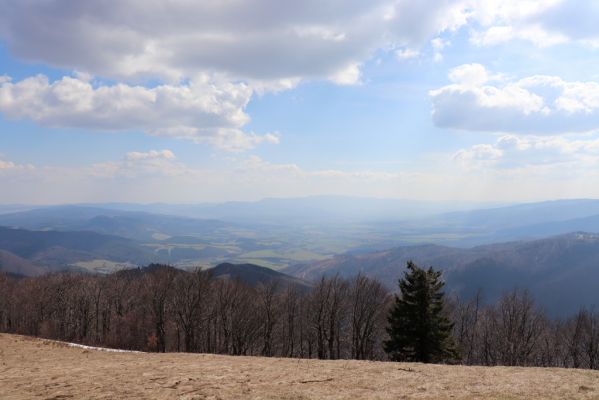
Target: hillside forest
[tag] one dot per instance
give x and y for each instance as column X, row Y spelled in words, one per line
column 163, row 309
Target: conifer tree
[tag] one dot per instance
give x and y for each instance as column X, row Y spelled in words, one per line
column 419, row 329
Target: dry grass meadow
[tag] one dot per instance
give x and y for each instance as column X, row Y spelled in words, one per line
column 41, row 369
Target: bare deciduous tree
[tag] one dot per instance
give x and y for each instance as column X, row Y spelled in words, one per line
column 164, row 309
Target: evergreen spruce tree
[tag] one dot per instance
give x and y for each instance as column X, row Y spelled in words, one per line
column 419, row 329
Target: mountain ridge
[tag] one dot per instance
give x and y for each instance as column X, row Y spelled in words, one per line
column 537, row 265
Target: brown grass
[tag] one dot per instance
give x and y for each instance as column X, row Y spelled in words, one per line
column 41, row 369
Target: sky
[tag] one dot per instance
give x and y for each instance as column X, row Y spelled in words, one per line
column 199, row 101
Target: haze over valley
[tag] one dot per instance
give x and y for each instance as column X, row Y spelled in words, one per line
column 550, row 248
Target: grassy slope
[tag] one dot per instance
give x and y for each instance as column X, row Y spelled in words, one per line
column 35, row 368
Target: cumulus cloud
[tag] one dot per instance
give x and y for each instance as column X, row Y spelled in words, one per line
column 150, row 155
column 537, row 104
column 202, row 110
column 9, row 166
column 438, row 45
column 416, row 22
column 575, row 19
column 257, row 39
column 478, row 154
column 406, row 54
column 252, row 40
column 504, row 33
column 264, row 39
column 516, row 152
column 541, row 22
column 210, row 57
column 207, row 57
column 469, row 74
column 347, row 76
column 139, row 164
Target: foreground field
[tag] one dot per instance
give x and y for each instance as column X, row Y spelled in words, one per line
column 41, row 369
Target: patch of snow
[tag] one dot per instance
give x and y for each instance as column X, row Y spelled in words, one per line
column 82, row 346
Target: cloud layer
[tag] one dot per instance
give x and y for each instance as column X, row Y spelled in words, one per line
column 262, row 39
column 257, row 39
column 185, row 69
column 135, row 177
column 215, row 46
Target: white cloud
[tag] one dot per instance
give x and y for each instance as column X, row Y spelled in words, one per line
column 150, row 155
column 251, row 40
column 538, row 104
column 406, row 54
column 255, row 163
column 532, row 33
column 137, row 175
column 210, row 57
column 478, row 154
column 203, row 110
column 347, row 76
column 541, row 22
column 135, row 164
column 438, row 45
column 469, row 74
column 207, row 57
column 158, row 176
column 416, row 22
column 265, row 40
column 514, row 152
column 7, row 166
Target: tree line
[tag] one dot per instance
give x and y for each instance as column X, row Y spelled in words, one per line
column 160, row 308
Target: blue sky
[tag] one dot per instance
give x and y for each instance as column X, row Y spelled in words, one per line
column 449, row 100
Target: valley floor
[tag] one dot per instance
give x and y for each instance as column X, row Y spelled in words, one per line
column 41, row 369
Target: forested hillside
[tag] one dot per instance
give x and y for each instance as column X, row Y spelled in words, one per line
column 164, row 309
column 561, row 271
column 55, row 250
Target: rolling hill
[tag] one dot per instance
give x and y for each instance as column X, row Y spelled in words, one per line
column 521, row 214
column 128, row 224
column 26, row 251
column 561, row 272
column 281, row 232
column 516, row 222
column 14, row 265
column 254, row 275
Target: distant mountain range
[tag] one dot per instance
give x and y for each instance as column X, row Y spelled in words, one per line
column 310, row 209
column 128, row 224
column 495, row 249
column 283, row 232
column 522, row 221
column 562, row 272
